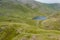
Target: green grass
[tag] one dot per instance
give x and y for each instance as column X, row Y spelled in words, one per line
column 16, row 24
column 15, row 31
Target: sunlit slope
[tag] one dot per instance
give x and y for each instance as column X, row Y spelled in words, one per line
column 52, row 23
column 22, row 31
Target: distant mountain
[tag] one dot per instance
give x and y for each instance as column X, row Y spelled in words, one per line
column 55, row 6
column 35, row 4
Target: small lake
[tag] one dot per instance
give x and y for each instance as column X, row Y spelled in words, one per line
column 40, row 18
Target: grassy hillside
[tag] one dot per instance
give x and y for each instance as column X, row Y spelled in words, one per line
column 16, row 23
column 22, row 31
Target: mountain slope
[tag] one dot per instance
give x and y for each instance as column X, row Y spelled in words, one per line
column 16, row 21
